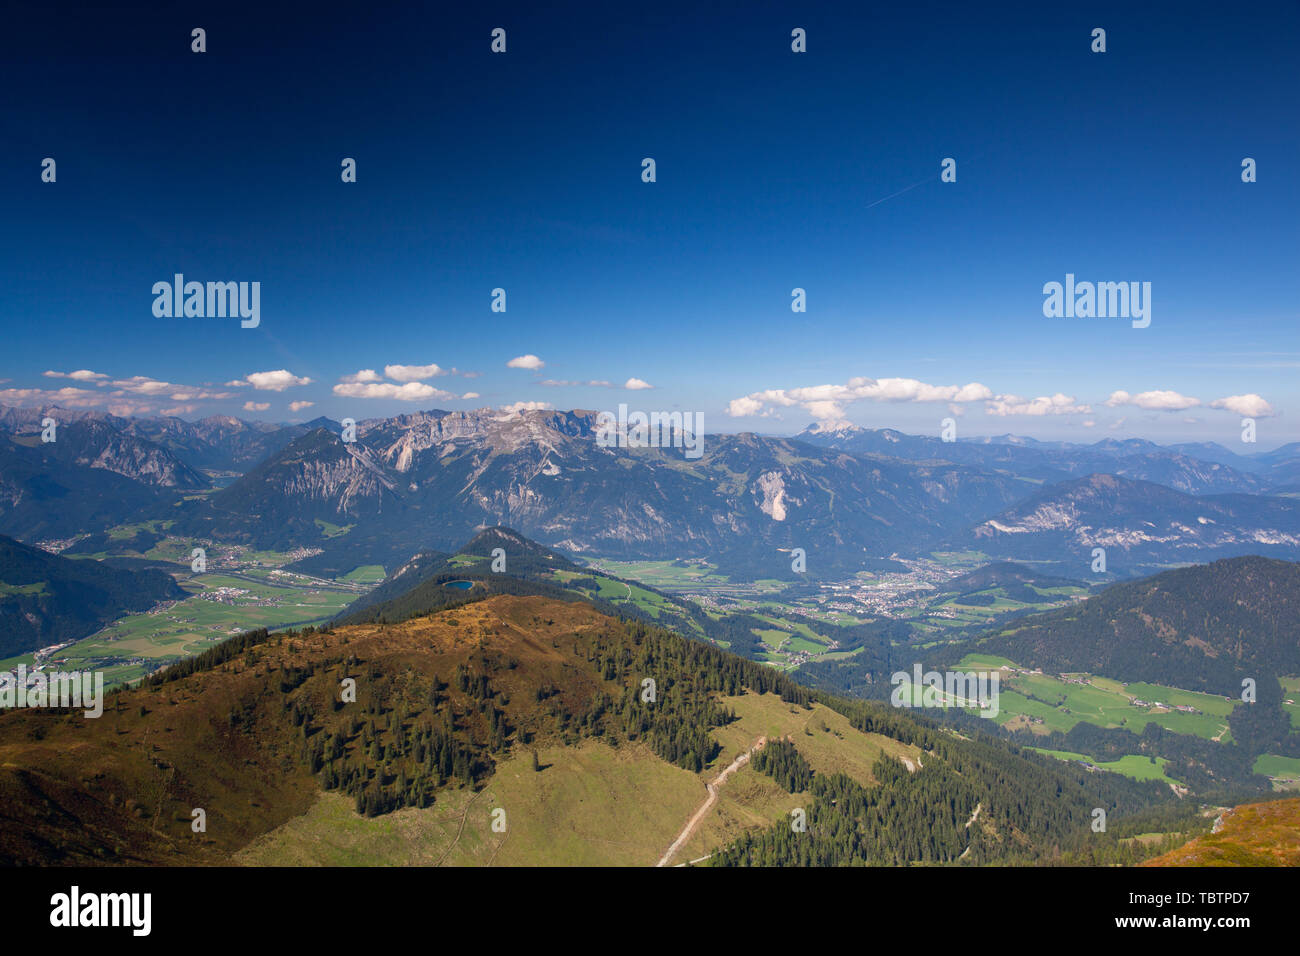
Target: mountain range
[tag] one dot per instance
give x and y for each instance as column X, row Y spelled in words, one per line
column 845, row 496
column 1199, row 468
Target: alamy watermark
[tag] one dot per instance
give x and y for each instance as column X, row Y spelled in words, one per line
column 75, row 908
column 84, row 689
column 948, row 689
column 653, row 430
column 214, row 300
column 1102, row 300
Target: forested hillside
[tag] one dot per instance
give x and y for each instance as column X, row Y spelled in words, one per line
column 47, row 599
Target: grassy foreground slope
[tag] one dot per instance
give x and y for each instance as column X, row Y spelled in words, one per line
column 1256, row 834
column 415, row 743
column 590, row 805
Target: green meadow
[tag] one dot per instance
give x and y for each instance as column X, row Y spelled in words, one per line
column 1044, row 703
column 1283, row 771
column 1130, row 765
column 131, row 646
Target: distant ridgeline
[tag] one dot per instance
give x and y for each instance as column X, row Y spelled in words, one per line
column 427, row 583
column 423, row 585
column 1204, row 627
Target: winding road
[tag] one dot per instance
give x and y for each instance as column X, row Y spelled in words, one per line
column 709, row 801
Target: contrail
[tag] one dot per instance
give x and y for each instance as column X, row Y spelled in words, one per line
column 899, row 193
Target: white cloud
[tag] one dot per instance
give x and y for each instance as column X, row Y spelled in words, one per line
column 412, row 373
column 744, row 407
column 299, row 406
column 526, row 361
column 410, row 392
column 80, row 375
column 251, row 406
column 635, row 384
column 152, row 387
column 194, row 395
column 1248, row 406
column 828, row 401
column 71, row 397
column 518, row 407
column 365, row 375
column 1058, row 404
column 276, row 381
column 565, row 383
column 1158, row 400
column 826, row 411
column 144, row 385
column 1164, row 400
column 470, row 395
column 178, row 410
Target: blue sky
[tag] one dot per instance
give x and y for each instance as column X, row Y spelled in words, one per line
column 775, row 170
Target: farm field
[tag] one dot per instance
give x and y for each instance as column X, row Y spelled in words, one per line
column 666, row 575
column 1043, row 703
column 1283, row 771
column 1291, row 700
column 1130, row 765
column 242, row 590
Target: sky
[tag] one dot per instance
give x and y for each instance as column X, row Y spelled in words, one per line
column 774, row 171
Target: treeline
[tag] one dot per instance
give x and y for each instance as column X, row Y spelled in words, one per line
column 1204, row 627
column 432, row 596
column 1031, row 807
column 974, row 812
column 907, row 818
column 783, row 763
column 1205, row 766
column 411, row 733
column 207, row 660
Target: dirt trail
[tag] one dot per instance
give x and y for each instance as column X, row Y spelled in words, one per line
column 712, row 798
column 461, row 829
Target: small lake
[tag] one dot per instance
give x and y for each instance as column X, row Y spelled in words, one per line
column 461, row 585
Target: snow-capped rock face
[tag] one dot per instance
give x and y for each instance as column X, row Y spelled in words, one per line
column 771, row 487
column 94, row 440
column 141, row 461
column 832, row 429
column 544, row 473
column 440, row 475
column 430, row 479
column 344, row 484
column 1143, row 519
